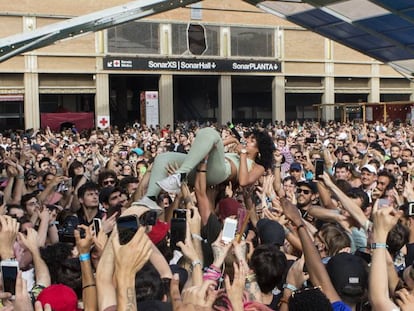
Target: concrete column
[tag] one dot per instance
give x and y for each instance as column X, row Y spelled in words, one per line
column 102, row 95
column 328, row 99
column 328, row 96
column 225, row 105
column 374, row 83
column 278, row 99
column 166, row 98
column 412, row 91
column 31, row 100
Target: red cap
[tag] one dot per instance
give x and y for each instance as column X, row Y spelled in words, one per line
column 60, row 297
column 158, row 231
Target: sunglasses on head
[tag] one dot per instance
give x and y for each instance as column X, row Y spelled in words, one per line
column 305, row 191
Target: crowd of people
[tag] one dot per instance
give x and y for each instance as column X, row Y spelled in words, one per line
column 298, row 216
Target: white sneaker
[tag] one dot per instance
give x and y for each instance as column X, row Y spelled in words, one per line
column 171, row 184
column 147, row 202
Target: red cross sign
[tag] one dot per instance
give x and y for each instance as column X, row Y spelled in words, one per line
column 103, row 121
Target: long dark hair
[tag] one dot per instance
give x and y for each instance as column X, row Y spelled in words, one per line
column 266, row 147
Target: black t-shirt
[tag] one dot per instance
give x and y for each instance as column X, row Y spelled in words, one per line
column 210, row 232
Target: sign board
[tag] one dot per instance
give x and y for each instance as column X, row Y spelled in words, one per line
column 149, row 108
column 103, row 122
column 191, row 65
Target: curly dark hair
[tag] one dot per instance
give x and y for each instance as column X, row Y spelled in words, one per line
column 266, row 147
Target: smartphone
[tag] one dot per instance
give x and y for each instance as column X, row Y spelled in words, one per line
column 319, row 167
column 411, row 209
column 229, row 230
column 148, row 219
column 9, row 269
column 97, row 224
column 383, row 203
column 310, row 140
column 127, row 227
column 178, row 230
column 180, row 213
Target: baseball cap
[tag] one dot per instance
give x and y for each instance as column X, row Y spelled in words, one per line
column 370, row 168
column 60, row 297
column 138, row 151
column 349, row 274
column 270, row 232
column 105, row 193
column 30, row 172
column 158, row 231
column 310, row 184
column 295, row 166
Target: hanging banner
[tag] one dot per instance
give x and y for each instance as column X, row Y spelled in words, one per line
column 80, row 120
column 149, row 108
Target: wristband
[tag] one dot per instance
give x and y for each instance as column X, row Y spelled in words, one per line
column 290, row 287
column 378, row 245
column 198, row 237
column 195, row 263
column 84, row 257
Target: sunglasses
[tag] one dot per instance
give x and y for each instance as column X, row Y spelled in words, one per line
column 295, row 170
column 108, row 182
column 305, row 191
column 31, row 178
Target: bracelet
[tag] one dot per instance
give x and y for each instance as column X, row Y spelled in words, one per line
column 195, row 263
column 84, row 257
column 378, row 245
column 20, row 177
column 214, row 268
column 201, row 171
column 300, row 226
column 86, row 286
column 290, row 287
column 278, row 166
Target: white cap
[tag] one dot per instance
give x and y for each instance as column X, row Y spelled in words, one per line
column 370, row 168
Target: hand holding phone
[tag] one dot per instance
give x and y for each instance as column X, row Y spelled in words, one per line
column 319, row 167
column 178, row 228
column 97, row 225
column 229, row 230
column 9, row 269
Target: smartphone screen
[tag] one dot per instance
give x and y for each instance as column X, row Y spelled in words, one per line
column 127, row 227
column 9, row 271
column 178, row 232
column 383, row 203
column 229, row 230
column 319, row 167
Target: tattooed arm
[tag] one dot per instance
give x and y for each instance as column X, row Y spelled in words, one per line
column 128, row 261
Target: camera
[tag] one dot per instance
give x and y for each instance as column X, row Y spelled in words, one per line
column 66, row 232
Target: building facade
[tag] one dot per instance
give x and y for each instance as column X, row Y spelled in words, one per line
column 256, row 67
